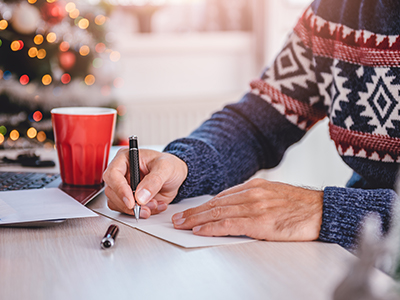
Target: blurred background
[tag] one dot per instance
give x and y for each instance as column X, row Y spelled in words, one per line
column 165, row 65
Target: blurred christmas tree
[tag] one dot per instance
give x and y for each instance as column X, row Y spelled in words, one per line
column 52, row 53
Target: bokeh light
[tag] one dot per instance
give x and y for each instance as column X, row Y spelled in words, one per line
column 7, row 75
column 41, row 136
column 97, row 62
column 65, row 78
column 70, row 6
column 31, row 133
column 84, row 50
column 1, row 74
column 16, row 45
column 83, row 23
column 14, row 135
column 32, row 52
column 118, row 82
column 32, row 1
column 1, row 43
column 51, row 1
column 115, row 56
column 90, row 79
column 100, row 20
column 41, row 54
column 46, row 79
column 37, row 116
column 1, row 139
column 64, row 46
column 74, row 13
column 51, row 37
column 38, row 39
column 3, row 130
column 24, row 79
column 121, row 110
column 3, row 24
column 100, row 47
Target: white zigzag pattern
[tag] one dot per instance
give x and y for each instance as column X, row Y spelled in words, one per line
column 369, row 111
column 319, row 22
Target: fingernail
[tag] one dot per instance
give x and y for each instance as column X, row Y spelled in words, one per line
column 144, row 214
column 177, row 216
column 162, row 206
column 196, row 229
column 143, row 196
column 127, row 202
column 179, row 222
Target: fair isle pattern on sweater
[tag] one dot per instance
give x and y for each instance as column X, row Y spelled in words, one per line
column 351, row 75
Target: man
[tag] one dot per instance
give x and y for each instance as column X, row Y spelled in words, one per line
column 341, row 62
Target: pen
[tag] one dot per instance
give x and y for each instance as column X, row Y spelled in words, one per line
column 109, row 238
column 134, row 170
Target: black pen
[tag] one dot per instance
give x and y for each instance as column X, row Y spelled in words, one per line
column 109, row 238
column 134, row 170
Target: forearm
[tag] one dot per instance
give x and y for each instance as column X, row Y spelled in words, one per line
column 344, row 210
column 232, row 145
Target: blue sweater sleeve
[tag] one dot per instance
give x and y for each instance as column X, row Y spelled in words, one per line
column 232, row 145
column 345, row 209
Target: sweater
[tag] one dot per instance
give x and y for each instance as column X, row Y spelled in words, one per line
column 341, row 62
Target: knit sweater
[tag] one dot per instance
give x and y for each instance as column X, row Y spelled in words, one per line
column 341, row 62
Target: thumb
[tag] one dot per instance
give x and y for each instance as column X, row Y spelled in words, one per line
column 150, row 185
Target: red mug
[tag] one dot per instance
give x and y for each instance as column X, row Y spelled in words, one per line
column 83, row 137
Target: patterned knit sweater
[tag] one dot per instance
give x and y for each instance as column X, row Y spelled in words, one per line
column 342, row 62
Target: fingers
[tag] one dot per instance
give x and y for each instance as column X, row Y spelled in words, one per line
column 233, row 227
column 114, row 176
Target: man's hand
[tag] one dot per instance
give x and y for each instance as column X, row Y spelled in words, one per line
column 259, row 209
column 162, row 174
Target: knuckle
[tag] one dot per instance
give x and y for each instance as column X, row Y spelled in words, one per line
column 212, row 203
column 216, row 212
column 226, row 223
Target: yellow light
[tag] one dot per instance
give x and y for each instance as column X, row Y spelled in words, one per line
column 46, row 79
column 15, row 46
column 41, row 54
column 70, row 7
column 1, row 139
column 38, row 39
column 41, row 136
column 31, row 1
column 32, row 52
column 84, row 50
column 14, row 135
column 51, row 37
column 31, row 133
column 51, row 1
column 100, row 20
column 74, row 14
column 83, row 23
column 115, row 56
column 89, row 79
column 3, row 24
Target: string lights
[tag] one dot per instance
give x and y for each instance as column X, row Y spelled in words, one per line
column 55, row 57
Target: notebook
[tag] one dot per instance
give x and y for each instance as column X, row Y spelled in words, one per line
column 14, row 181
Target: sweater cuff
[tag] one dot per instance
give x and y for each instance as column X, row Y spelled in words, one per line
column 345, row 209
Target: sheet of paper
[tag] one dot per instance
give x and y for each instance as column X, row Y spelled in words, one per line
column 161, row 226
column 39, row 205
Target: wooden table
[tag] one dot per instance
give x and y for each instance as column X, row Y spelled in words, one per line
column 66, row 262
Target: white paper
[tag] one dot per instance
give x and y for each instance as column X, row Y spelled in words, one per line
column 39, row 205
column 160, row 225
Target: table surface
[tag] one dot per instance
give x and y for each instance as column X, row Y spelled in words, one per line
column 66, row 262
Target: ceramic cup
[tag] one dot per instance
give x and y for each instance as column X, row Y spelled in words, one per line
column 83, row 137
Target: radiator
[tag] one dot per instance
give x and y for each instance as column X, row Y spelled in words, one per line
column 160, row 123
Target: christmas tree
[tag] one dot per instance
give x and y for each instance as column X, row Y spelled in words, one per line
column 52, row 53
